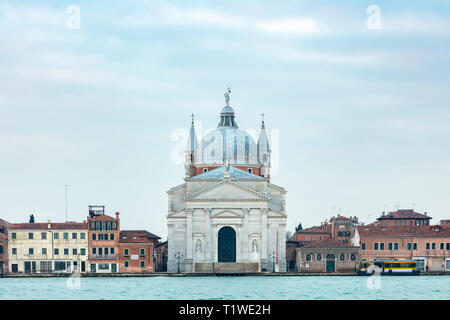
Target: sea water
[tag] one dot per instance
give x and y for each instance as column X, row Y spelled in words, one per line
column 247, row 287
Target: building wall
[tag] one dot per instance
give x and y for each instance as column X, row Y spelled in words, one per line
column 311, row 236
column 315, row 265
column 255, row 169
column 22, row 244
column 431, row 256
column 134, row 258
column 4, row 255
column 99, row 261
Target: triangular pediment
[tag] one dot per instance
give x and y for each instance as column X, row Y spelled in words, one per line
column 227, row 213
column 227, row 191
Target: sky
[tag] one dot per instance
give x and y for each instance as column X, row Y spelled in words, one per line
column 356, row 103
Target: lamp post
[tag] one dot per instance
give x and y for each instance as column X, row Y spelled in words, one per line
column 178, row 256
column 273, row 261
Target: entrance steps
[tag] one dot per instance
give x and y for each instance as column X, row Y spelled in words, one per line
column 226, row 267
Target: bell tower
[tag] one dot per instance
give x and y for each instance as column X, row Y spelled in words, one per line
column 191, row 147
column 263, row 151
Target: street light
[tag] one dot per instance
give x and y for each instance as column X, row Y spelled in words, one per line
column 273, row 255
column 178, row 256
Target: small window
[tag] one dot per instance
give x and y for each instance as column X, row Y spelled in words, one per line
column 319, row 257
column 375, row 246
column 353, row 257
column 66, row 235
column 308, row 257
column 433, row 246
column 106, row 236
column 14, row 251
column 82, row 236
column 44, row 251
column 363, row 246
column 111, row 236
column 44, row 235
column 396, row 246
column 381, row 245
column 56, row 251
column 74, row 252
column 74, row 235
column 125, row 252
column 415, row 246
column 83, row 251
column 30, row 235
column 447, row 246
column 94, row 250
column 142, row 252
column 56, row 235
column 205, row 170
column 100, row 236
column 66, row 251
column 390, row 247
column 112, row 250
column 13, row 235
column 94, row 236
column 142, row 264
column 106, row 251
column 250, row 170
column 342, row 257
column 442, row 246
column 428, row 246
column 126, row 263
column 30, row 251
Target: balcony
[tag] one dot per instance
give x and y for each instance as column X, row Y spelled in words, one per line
column 103, row 257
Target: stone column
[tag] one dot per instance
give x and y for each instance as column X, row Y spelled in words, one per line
column 208, row 235
column 245, row 243
column 264, row 238
column 189, row 247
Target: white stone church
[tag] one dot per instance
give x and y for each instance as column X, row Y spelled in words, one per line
column 227, row 216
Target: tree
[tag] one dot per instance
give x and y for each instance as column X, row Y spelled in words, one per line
column 299, row 227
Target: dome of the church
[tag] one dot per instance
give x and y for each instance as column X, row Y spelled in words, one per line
column 227, row 144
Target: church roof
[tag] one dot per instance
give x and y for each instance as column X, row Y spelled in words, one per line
column 220, row 172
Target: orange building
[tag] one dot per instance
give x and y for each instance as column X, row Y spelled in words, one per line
column 403, row 217
column 103, row 241
column 136, row 251
column 429, row 245
column 316, row 233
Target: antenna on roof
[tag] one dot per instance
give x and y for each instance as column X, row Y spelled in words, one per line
column 67, row 208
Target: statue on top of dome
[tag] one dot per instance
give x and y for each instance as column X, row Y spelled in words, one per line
column 227, row 96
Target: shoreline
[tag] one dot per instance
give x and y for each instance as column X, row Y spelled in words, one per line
column 165, row 274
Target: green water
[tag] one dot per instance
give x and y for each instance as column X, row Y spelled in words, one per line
column 280, row 287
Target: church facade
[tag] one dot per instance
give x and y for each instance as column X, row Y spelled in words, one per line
column 227, row 215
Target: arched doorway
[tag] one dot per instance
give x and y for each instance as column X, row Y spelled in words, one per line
column 331, row 263
column 227, row 245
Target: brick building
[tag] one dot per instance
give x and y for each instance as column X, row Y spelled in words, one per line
column 104, row 234
column 328, row 255
column 403, row 217
column 136, row 251
column 343, row 228
column 428, row 244
column 3, row 246
column 161, row 257
column 47, row 247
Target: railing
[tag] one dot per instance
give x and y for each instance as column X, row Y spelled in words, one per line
column 103, row 257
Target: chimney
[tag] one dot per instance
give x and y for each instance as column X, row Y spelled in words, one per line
column 425, row 213
column 117, row 215
column 49, row 224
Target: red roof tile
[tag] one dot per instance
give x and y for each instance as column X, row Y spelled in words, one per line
column 137, row 236
column 404, row 214
column 316, row 229
column 53, row 226
column 328, row 243
column 404, row 231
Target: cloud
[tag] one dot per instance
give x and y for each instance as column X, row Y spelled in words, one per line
column 171, row 16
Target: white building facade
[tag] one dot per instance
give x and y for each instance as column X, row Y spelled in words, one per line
column 227, row 215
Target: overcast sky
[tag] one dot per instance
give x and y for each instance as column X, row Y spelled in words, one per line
column 362, row 115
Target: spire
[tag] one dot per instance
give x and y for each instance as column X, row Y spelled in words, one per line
column 263, row 141
column 227, row 113
column 263, row 150
column 192, row 140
